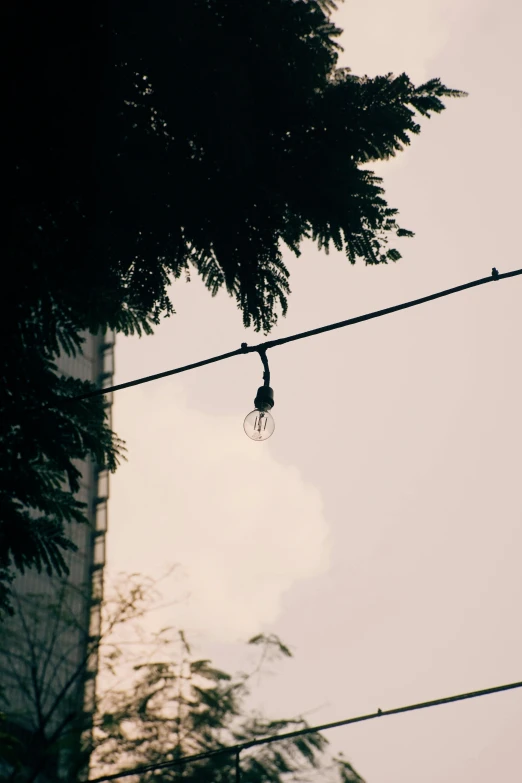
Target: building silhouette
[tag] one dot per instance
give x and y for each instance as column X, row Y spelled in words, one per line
column 48, row 650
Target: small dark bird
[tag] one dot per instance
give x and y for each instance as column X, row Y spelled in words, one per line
column 494, row 273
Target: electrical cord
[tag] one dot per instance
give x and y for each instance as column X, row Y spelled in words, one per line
column 237, row 749
column 263, row 347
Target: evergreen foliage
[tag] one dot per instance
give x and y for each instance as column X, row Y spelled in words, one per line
column 147, row 140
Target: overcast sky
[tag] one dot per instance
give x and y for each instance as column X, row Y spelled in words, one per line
column 379, row 530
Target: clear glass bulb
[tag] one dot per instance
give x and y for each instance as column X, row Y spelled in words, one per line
column 259, row 425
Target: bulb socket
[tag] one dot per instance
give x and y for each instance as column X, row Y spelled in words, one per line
column 264, row 400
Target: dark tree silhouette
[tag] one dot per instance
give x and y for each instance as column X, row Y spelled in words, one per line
column 147, row 140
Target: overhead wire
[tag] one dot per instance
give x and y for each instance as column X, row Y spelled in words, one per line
column 242, row 746
column 261, row 348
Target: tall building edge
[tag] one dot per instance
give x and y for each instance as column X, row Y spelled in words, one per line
column 99, row 525
column 49, row 649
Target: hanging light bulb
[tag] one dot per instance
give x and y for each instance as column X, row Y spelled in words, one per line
column 259, row 424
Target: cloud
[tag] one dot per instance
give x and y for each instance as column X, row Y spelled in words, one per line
column 197, row 492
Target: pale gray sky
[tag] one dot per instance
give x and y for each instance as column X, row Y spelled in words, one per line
column 379, row 531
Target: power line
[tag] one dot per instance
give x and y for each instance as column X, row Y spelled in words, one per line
column 261, row 348
column 237, row 749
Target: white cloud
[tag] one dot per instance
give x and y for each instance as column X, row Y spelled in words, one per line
column 197, row 492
